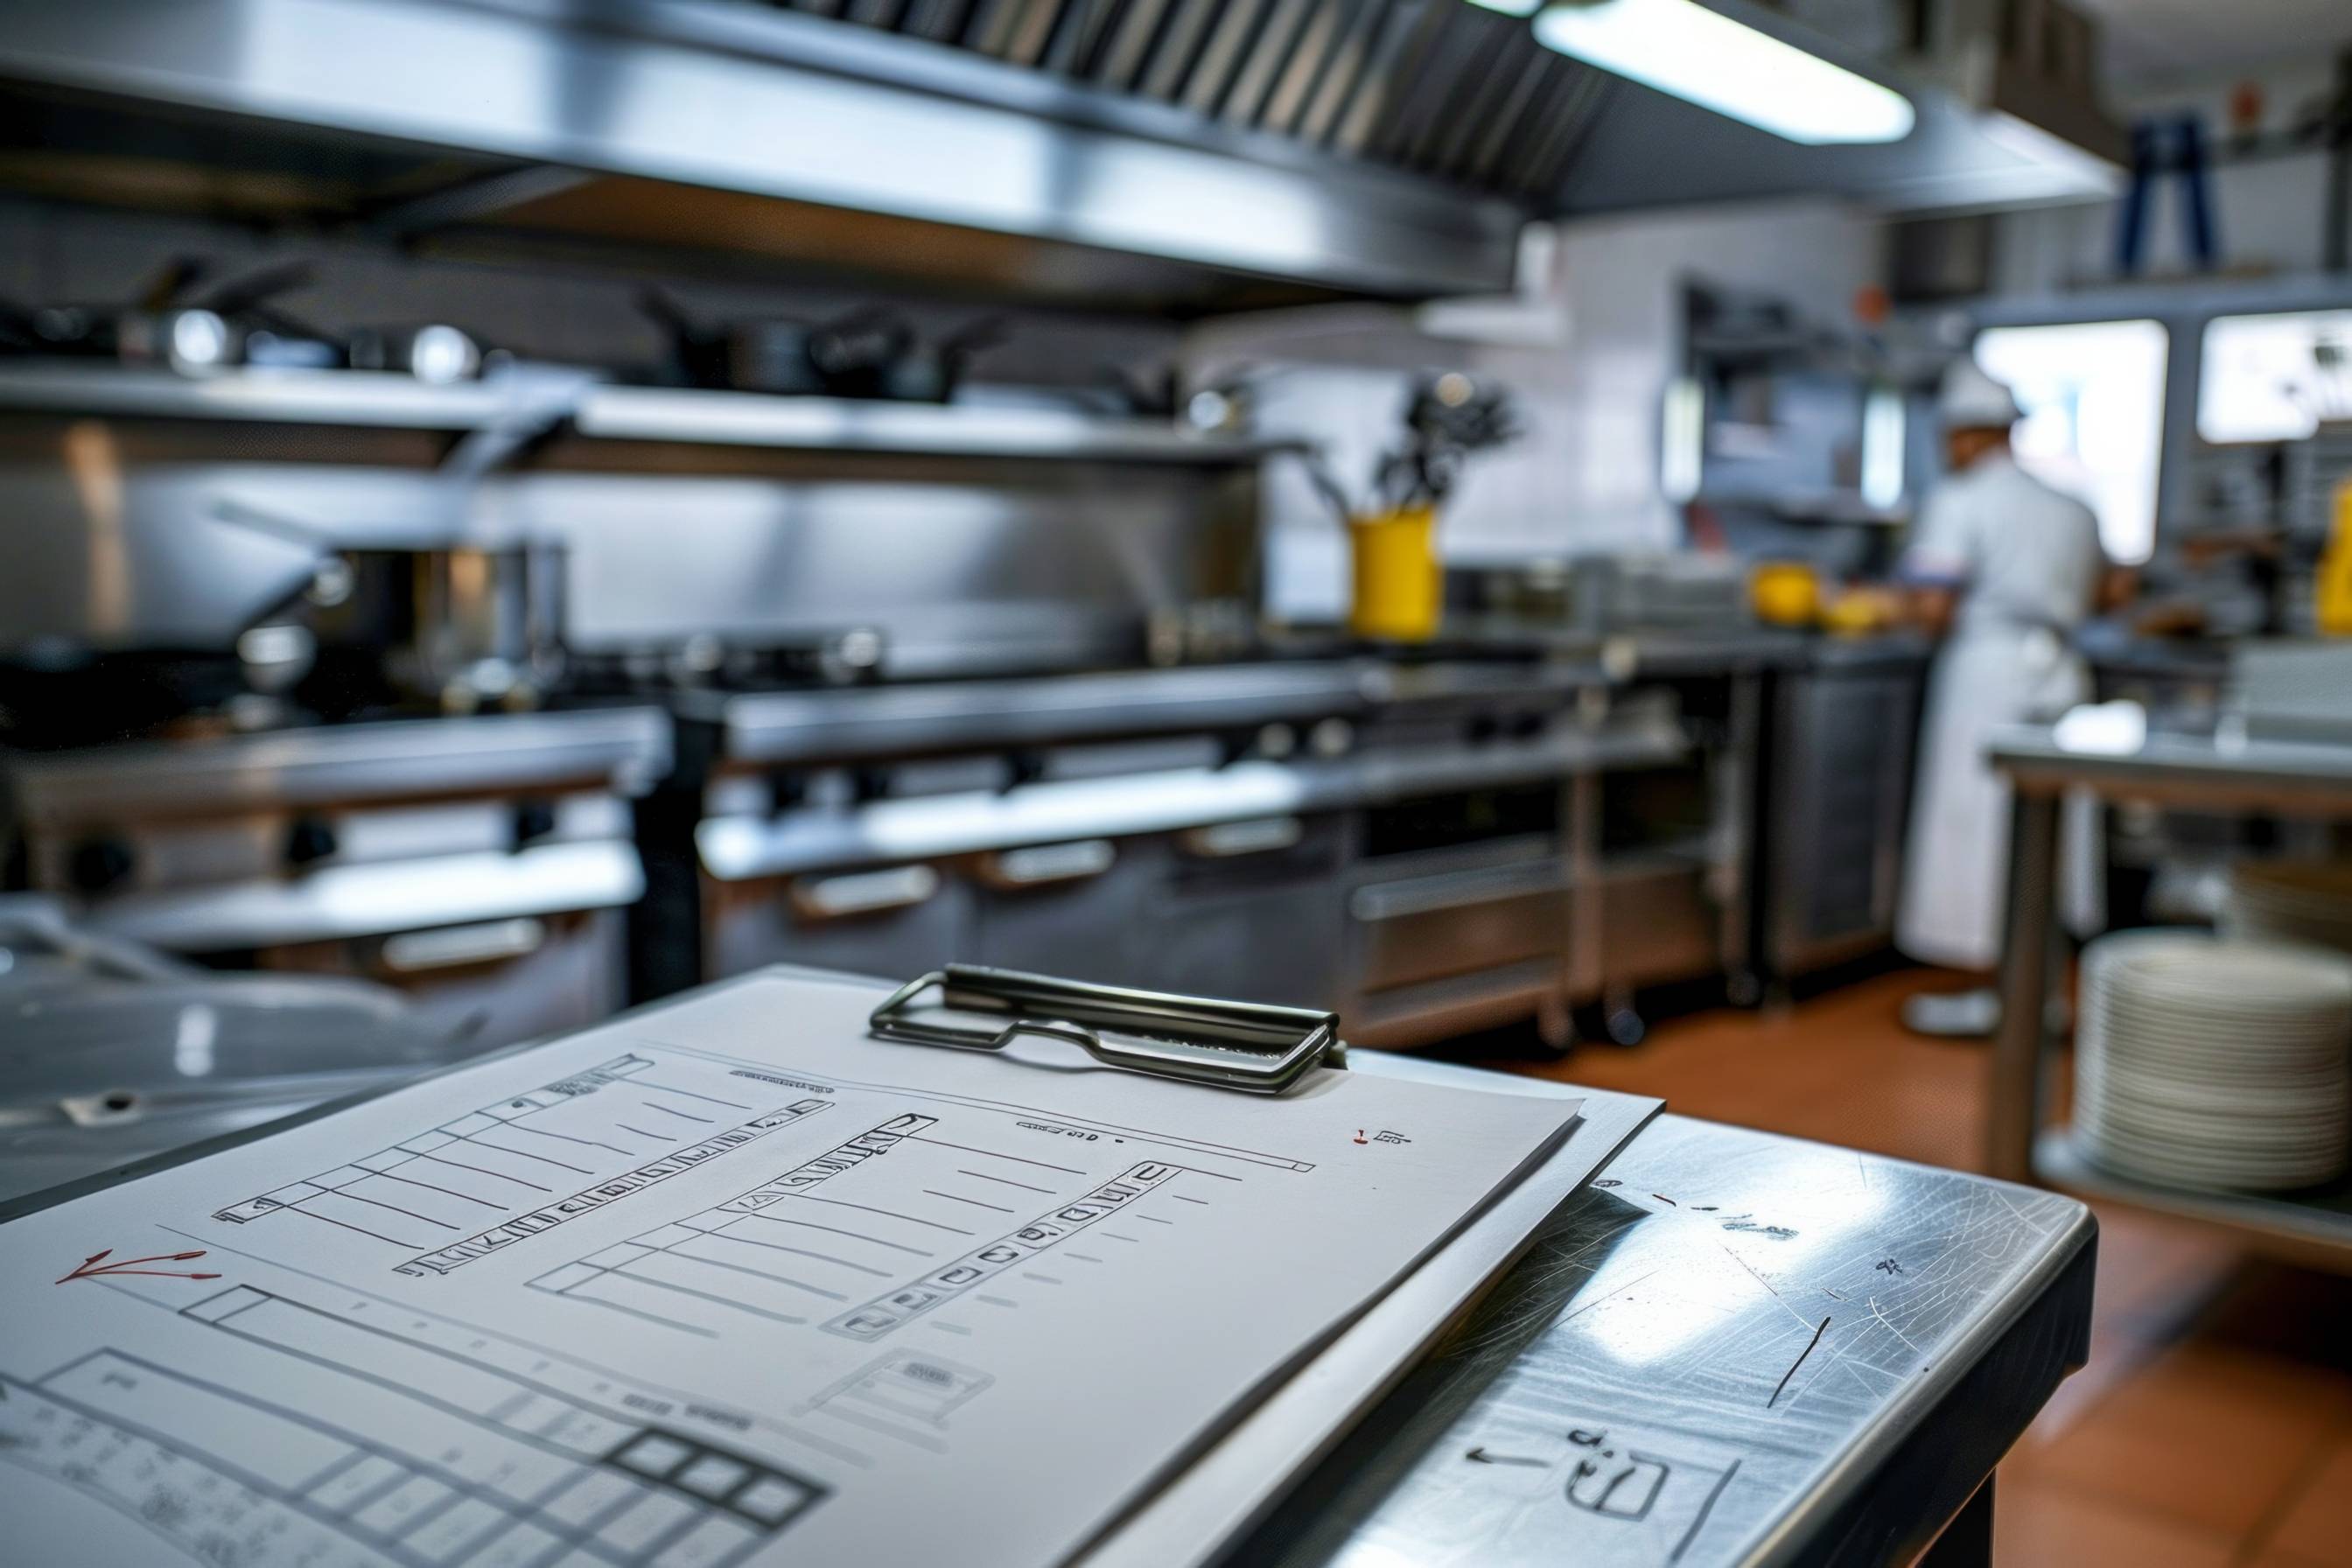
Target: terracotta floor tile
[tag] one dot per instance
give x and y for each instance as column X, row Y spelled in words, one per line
column 2318, row 1522
column 2037, row 1526
column 2204, row 1434
column 2276, row 1558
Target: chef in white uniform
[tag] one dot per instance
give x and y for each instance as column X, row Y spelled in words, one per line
column 2006, row 570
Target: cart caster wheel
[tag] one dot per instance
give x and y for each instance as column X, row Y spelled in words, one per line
column 1625, row 1026
column 1556, row 1031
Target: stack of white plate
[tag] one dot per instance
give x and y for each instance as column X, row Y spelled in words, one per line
column 2213, row 1063
column 2285, row 900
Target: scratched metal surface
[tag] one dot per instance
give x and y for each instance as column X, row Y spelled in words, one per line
column 1699, row 1362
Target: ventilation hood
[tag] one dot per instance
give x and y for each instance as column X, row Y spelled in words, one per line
column 1186, row 153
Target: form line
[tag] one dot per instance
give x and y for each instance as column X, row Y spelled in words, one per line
column 975, row 1202
column 484, row 1170
column 801, row 1251
column 298, row 1208
column 1016, row 1159
column 527, row 1154
column 887, row 1213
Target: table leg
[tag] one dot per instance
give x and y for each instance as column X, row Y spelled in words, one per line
column 1967, row 1541
column 2017, row 1052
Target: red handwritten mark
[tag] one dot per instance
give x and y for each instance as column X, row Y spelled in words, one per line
column 89, row 1267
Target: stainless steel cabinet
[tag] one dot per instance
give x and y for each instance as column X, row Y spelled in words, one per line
column 1251, row 910
column 1838, row 792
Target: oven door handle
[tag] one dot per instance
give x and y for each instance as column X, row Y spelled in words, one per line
column 461, row 947
column 1047, row 864
column 819, row 900
column 1252, row 836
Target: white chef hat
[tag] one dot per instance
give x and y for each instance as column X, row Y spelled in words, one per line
column 1972, row 400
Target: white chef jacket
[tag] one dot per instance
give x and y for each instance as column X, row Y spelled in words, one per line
column 2028, row 562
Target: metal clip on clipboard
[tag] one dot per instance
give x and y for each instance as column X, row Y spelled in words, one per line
column 1248, row 1046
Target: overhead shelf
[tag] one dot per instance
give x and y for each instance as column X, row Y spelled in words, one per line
column 837, row 425
column 601, row 412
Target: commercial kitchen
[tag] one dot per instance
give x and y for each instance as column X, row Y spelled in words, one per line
column 1706, row 644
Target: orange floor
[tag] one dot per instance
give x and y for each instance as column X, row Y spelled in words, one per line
column 2214, row 1423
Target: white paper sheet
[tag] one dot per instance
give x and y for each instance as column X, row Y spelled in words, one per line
column 726, row 1282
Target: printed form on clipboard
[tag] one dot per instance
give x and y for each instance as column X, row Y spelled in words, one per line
column 727, row 1282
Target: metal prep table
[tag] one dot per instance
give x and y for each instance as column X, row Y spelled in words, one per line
column 2198, row 773
column 1733, row 1347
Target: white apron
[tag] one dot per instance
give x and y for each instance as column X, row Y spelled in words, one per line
column 1955, row 874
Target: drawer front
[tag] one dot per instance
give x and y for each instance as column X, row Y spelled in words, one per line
column 1658, row 925
column 892, row 923
column 1407, row 933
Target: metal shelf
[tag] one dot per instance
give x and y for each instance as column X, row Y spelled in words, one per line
column 2313, row 1229
column 381, row 400
column 836, row 425
column 355, row 397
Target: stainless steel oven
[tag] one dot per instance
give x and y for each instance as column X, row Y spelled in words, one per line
column 478, row 865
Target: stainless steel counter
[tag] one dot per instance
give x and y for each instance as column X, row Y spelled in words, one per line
column 627, row 747
column 1733, row 1347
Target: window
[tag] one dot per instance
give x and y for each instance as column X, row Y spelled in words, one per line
column 2274, row 377
column 2093, row 394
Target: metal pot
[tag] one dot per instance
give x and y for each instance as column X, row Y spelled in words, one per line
column 460, row 626
column 464, row 626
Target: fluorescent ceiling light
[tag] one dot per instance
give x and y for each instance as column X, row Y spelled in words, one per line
column 1684, row 48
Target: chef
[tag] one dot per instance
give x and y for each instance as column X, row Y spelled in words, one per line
column 2004, row 570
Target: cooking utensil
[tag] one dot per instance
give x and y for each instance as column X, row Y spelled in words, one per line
column 457, row 624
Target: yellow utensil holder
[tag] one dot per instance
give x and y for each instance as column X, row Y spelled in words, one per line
column 1399, row 585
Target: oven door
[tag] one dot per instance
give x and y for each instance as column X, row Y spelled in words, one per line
column 497, row 947
column 490, row 981
column 1074, row 908
column 1250, row 909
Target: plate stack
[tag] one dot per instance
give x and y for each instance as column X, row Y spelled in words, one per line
column 2284, row 901
column 2219, row 1064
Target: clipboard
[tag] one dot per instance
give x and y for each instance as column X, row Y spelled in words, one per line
column 1253, row 1047
column 1205, row 1497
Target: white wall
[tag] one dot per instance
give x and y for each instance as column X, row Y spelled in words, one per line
column 1585, row 476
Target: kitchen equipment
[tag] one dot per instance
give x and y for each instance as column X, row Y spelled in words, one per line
column 460, row 626
column 2284, row 689
column 2290, row 901
column 866, row 352
column 2214, row 1063
column 116, row 1052
column 174, row 325
column 1836, row 797
column 480, row 866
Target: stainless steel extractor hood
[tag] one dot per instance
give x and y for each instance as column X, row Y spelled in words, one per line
column 1211, row 152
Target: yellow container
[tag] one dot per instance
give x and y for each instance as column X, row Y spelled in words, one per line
column 2334, row 610
column 1400, row 584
